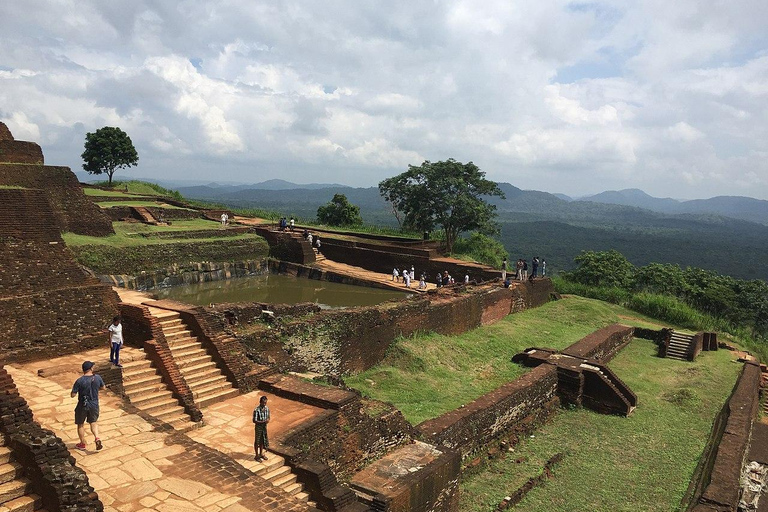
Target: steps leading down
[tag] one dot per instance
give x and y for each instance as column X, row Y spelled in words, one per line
column 206, row 381
column 278, row 474
column 680, row 346
column 146, row 390
column 15, row 490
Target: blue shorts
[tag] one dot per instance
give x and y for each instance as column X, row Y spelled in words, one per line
column 82, row 415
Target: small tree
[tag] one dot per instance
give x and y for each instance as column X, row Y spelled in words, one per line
column 339, row 212
column 107, row 150
column 448, row 194
column 603, row 268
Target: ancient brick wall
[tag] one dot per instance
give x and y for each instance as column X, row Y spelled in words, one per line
column 719, row 475
column 20, row 152
column 285, row 247
column 603, row 344
column 193, row 272
column 48, row 305
column 514, row 408
column 44, row 456
column 352, row 340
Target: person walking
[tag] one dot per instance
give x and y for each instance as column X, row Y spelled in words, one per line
column 504, row 270
column 407, row 279
column 86, row 389
column 317, row 244
column 115, row 341
column 260, row 420
column 395, row 275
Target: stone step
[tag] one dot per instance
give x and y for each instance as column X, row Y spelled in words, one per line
column 285, row 480
column 160, row 407
column 293, row 488
column 275, row 461
column 171, row 323
column 204, row 379
column 193, row 370
column 27, row 503
column 303, row 496
column 184, row 345
column 194, row 362
column 13, row 489
column 190, row 353
column 151, row 399
column 132, row 366
column 220, row 396
column 171, row 413
column 10, row 471
column 164, row 315
column 676, row 357
column 5, row 454
column 276, row 473
column 147, row 385
column 211, row 387
column 175, row 327
column 171, row 336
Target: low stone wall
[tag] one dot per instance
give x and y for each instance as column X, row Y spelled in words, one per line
column 126, row 212
column 719, row 476
column 46, row 461
column 286, row 247
column 336, row 342
column 106, row 260
column 602, row 345
column 176, row 275
column 516, row 408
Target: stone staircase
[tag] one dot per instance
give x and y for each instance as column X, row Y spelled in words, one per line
column 15, row 490
column 147, row 392
column 146, row 216
column 206, row 381
column 318, row 257
column 278, row 474
column 679, row 346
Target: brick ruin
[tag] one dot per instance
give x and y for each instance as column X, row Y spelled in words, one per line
column 21, row 164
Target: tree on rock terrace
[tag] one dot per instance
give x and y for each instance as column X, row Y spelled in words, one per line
column 107, row 150
column 446, row 194
column 339, row 212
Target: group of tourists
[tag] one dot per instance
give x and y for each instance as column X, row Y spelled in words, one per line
column 521, row 269
column 407, row 276
column 224, row 219
column 285, row 224
column 314, row 240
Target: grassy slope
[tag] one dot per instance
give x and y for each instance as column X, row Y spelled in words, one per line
column 124, row 230
column 106, row 193
column 643, row 462
column 427, row 375
column 110, row 204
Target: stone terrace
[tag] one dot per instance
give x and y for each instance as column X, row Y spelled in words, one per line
column 143, row 467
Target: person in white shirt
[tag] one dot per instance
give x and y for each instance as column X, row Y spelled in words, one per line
column 395, row 275
column 116, row 341
column 407, row 279
column 223, row 219
column 466, row 278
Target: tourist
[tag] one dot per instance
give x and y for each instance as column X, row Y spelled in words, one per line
column 115, row 341
column 423, row 282
column 439, row 280
column 407, row 277
column 395, row 275
column 86, row 389
column 292, row 223
column 413, row 273
column 504, row 270
column 305, row 234
column 507, row 282
column 525, row 269
column 543, row 268
column 466, row 278
column 309, row 239
column 519, row 270
column 535, row 266
column 317, row 244
column 223, row 220
column 260, row 420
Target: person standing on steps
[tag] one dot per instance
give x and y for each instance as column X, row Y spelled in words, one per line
column 115, row 341
column 260, row 420
column 317, row 244
column 86, row 389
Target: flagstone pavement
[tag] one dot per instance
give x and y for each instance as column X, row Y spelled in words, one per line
column 144, row 469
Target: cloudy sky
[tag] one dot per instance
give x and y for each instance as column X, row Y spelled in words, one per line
column 667, row 96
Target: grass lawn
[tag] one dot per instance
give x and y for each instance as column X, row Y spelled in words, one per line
column 643, row 462
column 106, row 193
column 125, row 234
column 158, row 204
column 428, row 375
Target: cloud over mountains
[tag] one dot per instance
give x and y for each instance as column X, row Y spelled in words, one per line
column 553, row 95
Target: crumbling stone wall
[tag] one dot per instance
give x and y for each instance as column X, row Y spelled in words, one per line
column 602, row 345
column 48, row 305
column 352, row 340
column 193, row 272
column 719, row 478
column 44, row 456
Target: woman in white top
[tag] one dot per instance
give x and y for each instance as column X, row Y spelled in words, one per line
column 116, row 341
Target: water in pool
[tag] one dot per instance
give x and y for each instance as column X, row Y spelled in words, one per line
column 278, row 289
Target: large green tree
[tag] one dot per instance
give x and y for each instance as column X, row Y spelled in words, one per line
column 107, row 150
column 339, row 212
column 446, row 194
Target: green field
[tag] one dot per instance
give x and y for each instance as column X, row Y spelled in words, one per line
column 643, row 462
column 106, row 193
column 150, row 203
column 126, row 234
column 428, row 375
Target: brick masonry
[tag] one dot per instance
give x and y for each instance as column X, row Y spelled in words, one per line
column 352, row 340
column 44, row 456
column 48, row 304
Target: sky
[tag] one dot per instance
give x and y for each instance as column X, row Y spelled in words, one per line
column 553, row 95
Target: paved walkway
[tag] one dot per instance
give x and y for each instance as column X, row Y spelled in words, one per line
column 142, row 469
column 368, row 275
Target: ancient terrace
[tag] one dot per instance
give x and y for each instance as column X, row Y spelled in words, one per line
column 176, row 417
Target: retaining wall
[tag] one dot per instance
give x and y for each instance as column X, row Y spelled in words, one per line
column 192, row 273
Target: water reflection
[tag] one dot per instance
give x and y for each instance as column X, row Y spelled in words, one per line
column 278, row 289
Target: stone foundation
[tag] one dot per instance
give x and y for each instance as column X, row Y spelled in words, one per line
column 192, row 273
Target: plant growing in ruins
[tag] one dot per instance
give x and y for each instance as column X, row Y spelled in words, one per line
column 107, row 150
column 447, row 194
